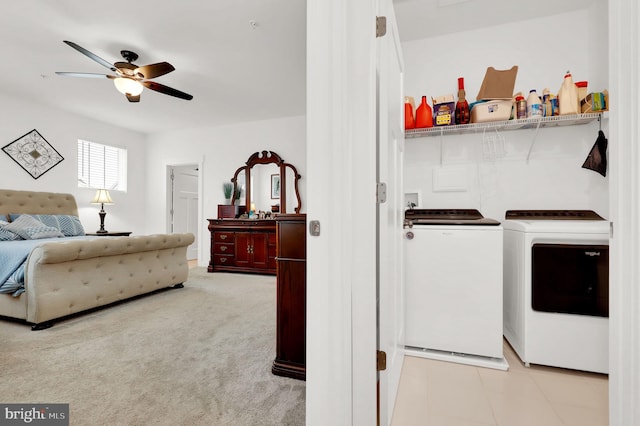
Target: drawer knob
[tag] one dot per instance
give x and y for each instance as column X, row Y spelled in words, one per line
column 224, row 259
column 223, row 248
column 223, row 237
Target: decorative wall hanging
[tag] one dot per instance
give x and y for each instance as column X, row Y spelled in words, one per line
column 33, row 153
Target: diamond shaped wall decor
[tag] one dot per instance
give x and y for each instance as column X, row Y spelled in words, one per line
column 33, row 153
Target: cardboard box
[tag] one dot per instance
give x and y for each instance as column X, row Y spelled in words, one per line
column 494, row 110
column 444, row 110
column 498, row 84
column 594, row 102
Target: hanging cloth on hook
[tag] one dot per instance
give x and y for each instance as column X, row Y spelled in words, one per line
column 597, row 158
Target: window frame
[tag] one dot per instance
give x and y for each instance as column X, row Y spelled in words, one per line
column 101, row 166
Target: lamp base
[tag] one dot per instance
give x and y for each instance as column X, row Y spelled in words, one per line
column 102, row 214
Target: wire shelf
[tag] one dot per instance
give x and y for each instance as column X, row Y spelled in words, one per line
column 525, row 123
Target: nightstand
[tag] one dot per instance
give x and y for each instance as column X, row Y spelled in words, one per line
column 110, row 234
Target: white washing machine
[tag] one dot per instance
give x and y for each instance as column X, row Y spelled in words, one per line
column 556, row 288
column 453, row 287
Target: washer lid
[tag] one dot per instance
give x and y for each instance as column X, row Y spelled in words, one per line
column 558, row 221
column 552, row 215
column 465, row 217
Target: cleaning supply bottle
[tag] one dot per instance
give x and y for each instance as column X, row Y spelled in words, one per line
column 554, row 104
column 409, row 120
column 546, row 102
column 582, row 87
column 462, row 106
column 568, row 96
column 521, row 107
column 534, row 105
column 424, row 115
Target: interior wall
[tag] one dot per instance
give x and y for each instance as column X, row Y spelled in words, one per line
column 220, row 151
column 62, row 130
column 497, row 171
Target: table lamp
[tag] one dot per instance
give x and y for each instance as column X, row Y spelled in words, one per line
column 102, row 197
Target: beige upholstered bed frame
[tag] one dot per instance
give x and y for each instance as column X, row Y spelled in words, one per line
column 67, row 277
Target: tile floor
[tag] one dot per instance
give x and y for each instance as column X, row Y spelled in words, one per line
column 442, row 393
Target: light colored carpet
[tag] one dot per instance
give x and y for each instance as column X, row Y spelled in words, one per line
column 200, row 355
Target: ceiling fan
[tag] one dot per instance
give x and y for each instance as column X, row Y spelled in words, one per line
column 129, row 78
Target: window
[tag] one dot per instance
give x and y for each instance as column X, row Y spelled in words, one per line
column 101, row 166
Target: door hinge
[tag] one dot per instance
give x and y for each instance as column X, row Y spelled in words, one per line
column 381, row 360
column 381, row 26
column 381, row 192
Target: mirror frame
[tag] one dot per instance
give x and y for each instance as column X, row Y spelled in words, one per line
column 267, row 157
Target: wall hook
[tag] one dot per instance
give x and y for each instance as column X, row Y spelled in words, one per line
column 600, row 122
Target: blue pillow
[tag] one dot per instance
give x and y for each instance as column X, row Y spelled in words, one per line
column 30, row 228
column 69, row 225
column 7, row 235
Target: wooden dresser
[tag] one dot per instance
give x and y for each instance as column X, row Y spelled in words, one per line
column 291, row 323
column 243, row 245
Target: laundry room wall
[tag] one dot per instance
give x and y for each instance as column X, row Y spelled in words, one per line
column 516, row 169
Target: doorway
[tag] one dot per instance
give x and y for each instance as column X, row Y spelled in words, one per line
column 183, row 203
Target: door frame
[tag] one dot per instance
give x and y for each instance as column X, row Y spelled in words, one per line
column 624, row 187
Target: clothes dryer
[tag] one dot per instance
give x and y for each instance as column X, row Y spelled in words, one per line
column 556, row 288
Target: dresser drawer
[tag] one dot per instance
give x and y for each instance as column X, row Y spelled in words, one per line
column 223, row 237
column 223, row 260
column 224, row 248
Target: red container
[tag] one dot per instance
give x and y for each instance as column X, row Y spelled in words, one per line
column 409, row 122
column 424, row 115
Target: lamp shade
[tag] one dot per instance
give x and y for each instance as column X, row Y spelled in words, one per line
column 128, row 86
column 102, row 197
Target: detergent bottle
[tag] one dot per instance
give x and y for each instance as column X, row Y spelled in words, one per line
column 424, row 115
column 409, row 120
column 534, row 105
column 568, row 96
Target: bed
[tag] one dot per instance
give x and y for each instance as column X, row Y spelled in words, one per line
column 66, row 275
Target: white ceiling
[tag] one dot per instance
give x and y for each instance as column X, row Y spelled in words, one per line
column 426, row 18
column 235, row 71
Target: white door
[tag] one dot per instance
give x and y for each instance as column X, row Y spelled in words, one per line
column 184, row 203
column 390, row 212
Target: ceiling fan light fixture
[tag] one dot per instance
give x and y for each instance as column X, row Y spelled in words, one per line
column 128, row 86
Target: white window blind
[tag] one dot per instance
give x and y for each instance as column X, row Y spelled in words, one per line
column 101, row 166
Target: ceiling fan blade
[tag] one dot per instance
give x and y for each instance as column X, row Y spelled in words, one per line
column 167, row 90
column 154, row 70
column 132, row 98
column 91, row 55
column 84, row 74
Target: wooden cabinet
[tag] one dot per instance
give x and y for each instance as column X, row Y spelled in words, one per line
column 252, row 250
column 291, row 274
column 247, row 246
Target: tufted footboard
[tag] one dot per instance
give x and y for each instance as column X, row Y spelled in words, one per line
column 63, row 278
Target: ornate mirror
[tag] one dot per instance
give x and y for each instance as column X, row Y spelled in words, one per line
column 267, row 181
